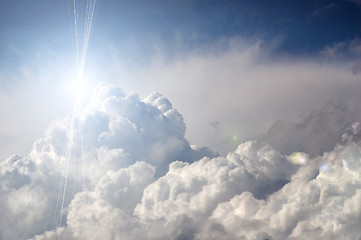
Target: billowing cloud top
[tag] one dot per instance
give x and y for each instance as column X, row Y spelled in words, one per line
column 143, row 180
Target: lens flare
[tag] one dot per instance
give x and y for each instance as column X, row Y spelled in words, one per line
column 79, row 88
column 298, row 158
column 324, row 167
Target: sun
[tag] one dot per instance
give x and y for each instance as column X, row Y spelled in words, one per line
column 79, row 87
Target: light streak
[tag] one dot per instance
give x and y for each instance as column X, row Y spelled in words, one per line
column 82, row 22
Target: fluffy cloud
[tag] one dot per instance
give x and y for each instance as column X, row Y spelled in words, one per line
column 176, row 205
column 149, row 130
column 184, row 198
column 110, row 205
column 321, row 201
column 144, row 181
column 119, row 131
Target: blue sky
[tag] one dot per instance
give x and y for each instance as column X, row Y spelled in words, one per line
column 300, row 28
column 303, row 27
column 297, row 28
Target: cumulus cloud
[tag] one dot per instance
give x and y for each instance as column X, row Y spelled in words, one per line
column 119, row 131
column 145, row 181
column 317, row 203
column 187, row 195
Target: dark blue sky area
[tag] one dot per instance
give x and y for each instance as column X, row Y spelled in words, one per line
column 300, row 27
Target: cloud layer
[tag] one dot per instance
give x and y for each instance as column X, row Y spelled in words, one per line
column 314, row 134
column 145, row 181
column 227, row 80
column 216, row 86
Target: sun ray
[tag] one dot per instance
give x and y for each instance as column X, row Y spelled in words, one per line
column 75, row 157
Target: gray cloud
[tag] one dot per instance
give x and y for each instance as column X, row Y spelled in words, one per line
column 314, row 134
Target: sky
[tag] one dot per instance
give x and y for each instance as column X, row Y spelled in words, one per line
column 195, row 120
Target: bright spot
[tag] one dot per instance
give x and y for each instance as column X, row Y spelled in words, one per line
column 298, row 158
column 78, row 88
column 235, row 138
column 324, row 167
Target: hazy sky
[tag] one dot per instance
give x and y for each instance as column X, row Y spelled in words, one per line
column 267, row 91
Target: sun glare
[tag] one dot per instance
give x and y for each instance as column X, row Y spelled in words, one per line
column 298, row 158
column 78, row 88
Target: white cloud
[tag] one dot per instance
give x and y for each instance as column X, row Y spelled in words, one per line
column 315, row 204
column 184, row 198
column 346, row 51
column 119, row 131
column 348, row 48
column 254, row 192
column 110, row 205
column 244, row 86
column 26, row 199
column 222, row 82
